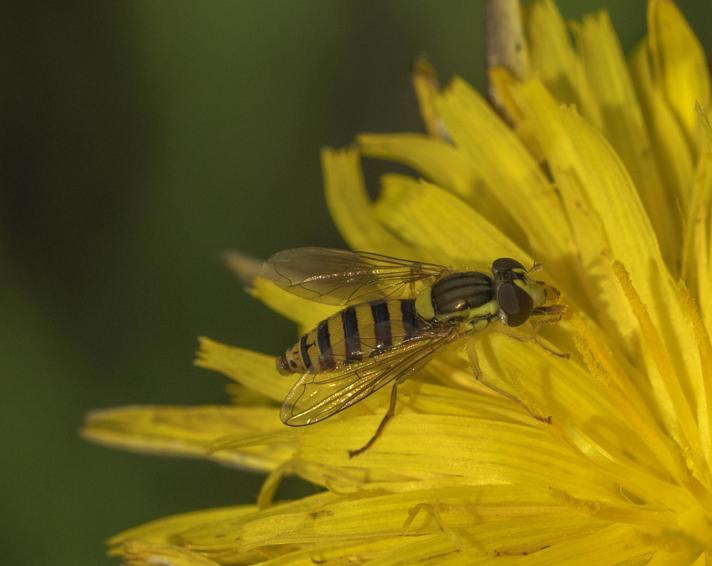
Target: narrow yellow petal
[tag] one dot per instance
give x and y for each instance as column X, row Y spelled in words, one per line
column 503, row 542
column 168, row 529
column 146, row 554
column 305, row 313
column 418, row 211
column 679, row 419
column 630, row 393
column 350, row 205
column 697, row 221
column 552, row 55
column 670, row 147
column 672, row 555
column 585, row 166
column 426, row 86
column 365, row 550
column 448, row 168
column 423, row 397
column 583, row 178
column 189, row 431
column 704, row 400
column 508, row 169
column 425, row 549
column 679, row 63
column 616, row 544
column 623, row 126
column 251, row 369
column 632, row 478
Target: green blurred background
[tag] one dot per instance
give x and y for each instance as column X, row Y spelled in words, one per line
column 139, row 140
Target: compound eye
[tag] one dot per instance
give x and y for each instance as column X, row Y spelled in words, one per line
column 515, row 303
column 506, row 264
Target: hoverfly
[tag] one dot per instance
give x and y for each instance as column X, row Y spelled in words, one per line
column 398, row 314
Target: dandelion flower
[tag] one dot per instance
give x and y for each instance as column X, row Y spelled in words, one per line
column 599, row 166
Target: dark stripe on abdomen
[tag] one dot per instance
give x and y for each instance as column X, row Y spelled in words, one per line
column 304, row 351
column 410, row 320
column 323, row 341
column 351, row 337
column 382, row 326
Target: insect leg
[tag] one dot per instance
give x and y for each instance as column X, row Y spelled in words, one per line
column 474, row 361
column 382, row 425
column 534, row 337
column 549, row 314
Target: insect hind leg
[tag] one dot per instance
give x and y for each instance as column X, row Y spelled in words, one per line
column 477, row 370
column 382, row 425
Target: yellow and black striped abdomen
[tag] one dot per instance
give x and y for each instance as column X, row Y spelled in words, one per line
column 351, row 335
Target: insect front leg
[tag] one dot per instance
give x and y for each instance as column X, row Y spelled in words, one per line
column 549, row 314
column 471, row 349
column 382, row 425
column 533, row 335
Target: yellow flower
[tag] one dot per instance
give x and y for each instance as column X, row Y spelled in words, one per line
column 602, row 171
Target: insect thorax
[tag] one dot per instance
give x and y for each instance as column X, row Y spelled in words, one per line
column 466, row 294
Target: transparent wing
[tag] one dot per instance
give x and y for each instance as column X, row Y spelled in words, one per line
column 341, row 277
column 375, row 339
column 317, row 396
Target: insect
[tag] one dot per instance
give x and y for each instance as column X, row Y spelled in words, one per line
column 398, row 314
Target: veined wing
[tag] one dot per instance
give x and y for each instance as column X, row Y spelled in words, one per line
column 317, row 396
column 341, row 277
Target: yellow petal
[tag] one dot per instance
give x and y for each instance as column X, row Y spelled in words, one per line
column 615, row 544
column 667, row 383
column 305, row 313
column 139, row 553
column 350, row 206
column 447, row 167
column 697, row 222
column 421, row 397
column 345, row 552
column 669, row 144
column 426, row 86
column 704, row 401
column 419, row 211
column 190, row 431
column 251, row 369
column 552, row 55
column 679, row 63
column 629, row 392
column 623, row 126
column 168, row 529
column 509, row 170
